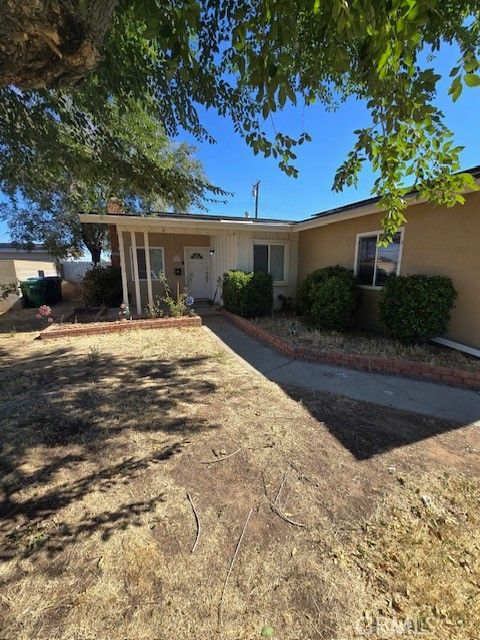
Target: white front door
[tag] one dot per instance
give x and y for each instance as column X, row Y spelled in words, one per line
column 197, row 263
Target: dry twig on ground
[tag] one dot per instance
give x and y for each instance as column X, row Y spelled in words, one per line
column 220, row 604
column 230, row 455
column 197, row 519
column 273, row 505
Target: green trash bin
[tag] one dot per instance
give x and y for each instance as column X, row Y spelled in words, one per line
column 53, row 285
column 34, row 292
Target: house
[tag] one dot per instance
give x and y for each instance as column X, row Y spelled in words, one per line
column 436, row 240
column 19, row 264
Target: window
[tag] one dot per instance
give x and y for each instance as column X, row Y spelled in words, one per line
column 41, row 273
column 374, row 264
column 157, row 262
column 270, row 258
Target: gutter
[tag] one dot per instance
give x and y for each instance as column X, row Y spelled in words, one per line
column 129, row 221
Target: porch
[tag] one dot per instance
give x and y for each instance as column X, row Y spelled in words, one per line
column 196, row 254
column 183, row 258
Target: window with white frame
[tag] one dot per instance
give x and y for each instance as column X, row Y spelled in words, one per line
column 269, row 257
column 374, row 264
column 157, row 262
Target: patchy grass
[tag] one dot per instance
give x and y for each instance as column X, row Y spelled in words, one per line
column 420, row 556
column 300, row 333
column 101, row 439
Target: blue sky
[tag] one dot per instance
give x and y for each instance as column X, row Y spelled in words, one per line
column 233, row 166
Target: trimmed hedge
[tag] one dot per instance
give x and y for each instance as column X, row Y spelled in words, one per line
column 103, row 285
column 416, row 308
column 248, row 294
column 328, row 297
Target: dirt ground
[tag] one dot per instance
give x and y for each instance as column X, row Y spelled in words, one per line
column 318, row 526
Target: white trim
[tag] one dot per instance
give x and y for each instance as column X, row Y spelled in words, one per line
column 284, row 244
column 458, row 346
column 378, row 233
column 141, row 246
column 200, row 248
column 194, row 223
column 123, row 267
column 138, row 299
column 148, row 267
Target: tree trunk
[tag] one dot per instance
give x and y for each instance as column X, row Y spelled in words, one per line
column 93, row 237
column 51, row 43
column 96, row 253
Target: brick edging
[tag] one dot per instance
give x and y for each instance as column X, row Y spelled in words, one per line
column 372, row 364
column 96, row 328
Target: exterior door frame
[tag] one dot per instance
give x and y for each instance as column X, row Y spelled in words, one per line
column 203, row 248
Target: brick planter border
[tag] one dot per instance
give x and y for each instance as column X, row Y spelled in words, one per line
column 96, row 328
column 372, row 364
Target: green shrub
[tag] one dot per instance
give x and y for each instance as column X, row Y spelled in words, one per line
column 416, row 308
column 248, row 294
column 328, row 297
column 103, row 285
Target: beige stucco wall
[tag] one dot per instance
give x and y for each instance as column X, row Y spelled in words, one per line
column 437, row 240
column 7, row 271
column 7, row 275
column 28, row 267
column 173, row 245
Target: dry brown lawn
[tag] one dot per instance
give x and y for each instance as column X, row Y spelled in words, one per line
column 300, row 333
column 103, row 437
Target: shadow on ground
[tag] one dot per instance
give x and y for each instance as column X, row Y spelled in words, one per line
column 63, row 410
column 369, row 430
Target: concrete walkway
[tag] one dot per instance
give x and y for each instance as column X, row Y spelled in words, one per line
column 439, row 401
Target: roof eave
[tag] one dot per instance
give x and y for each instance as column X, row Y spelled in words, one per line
column 350, row 212
column 165, row 222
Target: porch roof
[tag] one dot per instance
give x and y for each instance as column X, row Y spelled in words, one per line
column 188, row 221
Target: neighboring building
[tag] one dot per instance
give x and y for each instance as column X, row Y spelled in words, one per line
column 436, row 240
column 18, row 264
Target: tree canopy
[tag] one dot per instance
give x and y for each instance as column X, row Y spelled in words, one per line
column 247, row 59
column 61, row 160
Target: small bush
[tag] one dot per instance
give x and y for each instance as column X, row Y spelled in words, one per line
column 170, row 306
column 8, row 289
column 416, row 308
column 103, row 285
column 233, row 290
column 328, row 297
column 248, row 294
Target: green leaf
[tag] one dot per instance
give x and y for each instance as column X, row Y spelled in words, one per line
column 469, row 181
column 455, row 89
column 472, row 80
column 470, row 65
column 268, row 632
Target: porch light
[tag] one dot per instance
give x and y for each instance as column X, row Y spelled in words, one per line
column 212, row 252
